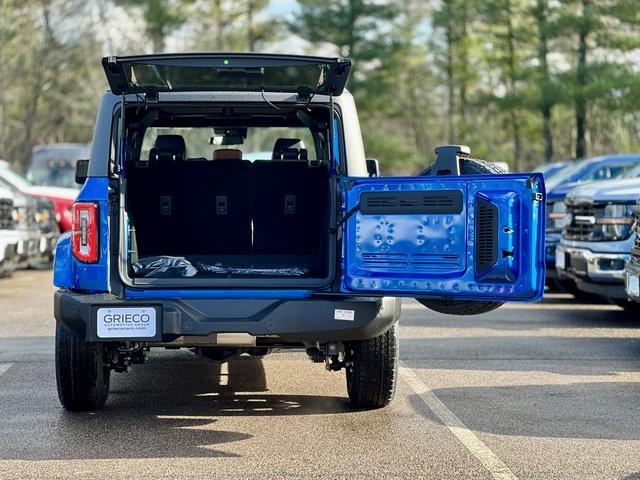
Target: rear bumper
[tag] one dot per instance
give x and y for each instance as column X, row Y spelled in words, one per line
column 299, row 320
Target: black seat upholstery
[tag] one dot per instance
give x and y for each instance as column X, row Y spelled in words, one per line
column 289, row 207
column 284, row 149
column 227, row 206
column 168, row 148
column 220, row 209
column 155, row 197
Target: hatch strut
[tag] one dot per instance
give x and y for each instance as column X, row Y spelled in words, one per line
column 332, row 160
column 123, row 143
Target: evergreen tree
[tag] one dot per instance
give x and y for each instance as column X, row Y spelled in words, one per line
column 358, row 28
column 602, row 31
column 161, row 17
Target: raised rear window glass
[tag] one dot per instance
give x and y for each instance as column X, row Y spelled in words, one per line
column 179, row 77
column 258, row 145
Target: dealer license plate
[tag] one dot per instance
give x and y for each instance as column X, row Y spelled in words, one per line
column 129, row 322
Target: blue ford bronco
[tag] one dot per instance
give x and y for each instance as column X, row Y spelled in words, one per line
column 228, row 208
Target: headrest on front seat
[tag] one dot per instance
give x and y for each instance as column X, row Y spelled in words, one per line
column 282, row 150
column 168, row 148
column 227, row 154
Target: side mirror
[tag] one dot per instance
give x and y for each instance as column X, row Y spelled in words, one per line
column 373, row 167
column 82, row 171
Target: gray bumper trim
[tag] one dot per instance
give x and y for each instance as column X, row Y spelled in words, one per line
column 306, row 320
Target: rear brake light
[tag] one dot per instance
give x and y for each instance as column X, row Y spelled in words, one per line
column 85, row 232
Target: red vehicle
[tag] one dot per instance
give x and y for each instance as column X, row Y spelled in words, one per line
column 62, row 198
column 51, row 170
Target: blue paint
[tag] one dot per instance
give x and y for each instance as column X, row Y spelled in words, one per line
column 433, row 255
column 70, row 272
column 63, row 262
column 161, row 293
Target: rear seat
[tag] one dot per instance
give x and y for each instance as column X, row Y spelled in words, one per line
column 155, row 202
column 221, row 202
column 200, row 207
column 290, row 201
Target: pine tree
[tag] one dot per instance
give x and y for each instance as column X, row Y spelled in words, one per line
column 356, row 27
column 161, row 17
column 601, row 32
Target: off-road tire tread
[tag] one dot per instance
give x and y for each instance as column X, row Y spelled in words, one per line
column 469, row 166
column 81, row 378
column 372, row 378
column 459, row 307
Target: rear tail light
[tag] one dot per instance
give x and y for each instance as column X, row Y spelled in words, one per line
column 84, row 238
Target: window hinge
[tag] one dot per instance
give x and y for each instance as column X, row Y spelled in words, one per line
column 151, row 97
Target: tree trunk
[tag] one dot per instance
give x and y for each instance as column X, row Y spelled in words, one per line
column 463, row 58
column 515, row 120
column 451, row 87
column 251, row 32
column 581, row 82
column 545, row 103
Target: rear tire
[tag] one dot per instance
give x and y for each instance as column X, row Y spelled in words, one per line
column 468, row 166
column 373, row 370
column 459, row 307
column 81, row 377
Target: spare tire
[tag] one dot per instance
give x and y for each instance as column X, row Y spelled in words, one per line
column 468, row 166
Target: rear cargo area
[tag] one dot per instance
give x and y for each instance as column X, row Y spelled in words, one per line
column 228, row 217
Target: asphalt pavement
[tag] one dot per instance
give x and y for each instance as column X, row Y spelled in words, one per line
column 542, row 391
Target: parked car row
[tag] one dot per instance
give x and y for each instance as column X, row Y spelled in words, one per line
column 32, row 215
column 632, row 271
column 590, row 231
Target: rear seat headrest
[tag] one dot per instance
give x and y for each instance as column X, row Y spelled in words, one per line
column 227, row 154
column 283, row 149
column 168, row 148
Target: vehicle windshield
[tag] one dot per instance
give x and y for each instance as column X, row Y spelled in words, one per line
column 633, row 173
column 587, row 171
column 55, row 167
column 552, row 169
column 14, row 179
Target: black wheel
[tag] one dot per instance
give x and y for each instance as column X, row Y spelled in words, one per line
column 468, row 166
column 373, row 370
column 459, row 307
column 82, row 378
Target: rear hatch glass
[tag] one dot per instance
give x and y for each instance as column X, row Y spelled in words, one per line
column 220, row 72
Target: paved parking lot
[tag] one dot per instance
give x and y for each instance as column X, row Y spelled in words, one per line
column 529, row 391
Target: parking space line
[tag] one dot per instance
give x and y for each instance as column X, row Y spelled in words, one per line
column 471, row 442
column 4, row 367
column 224, row 374
column 540, row 306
